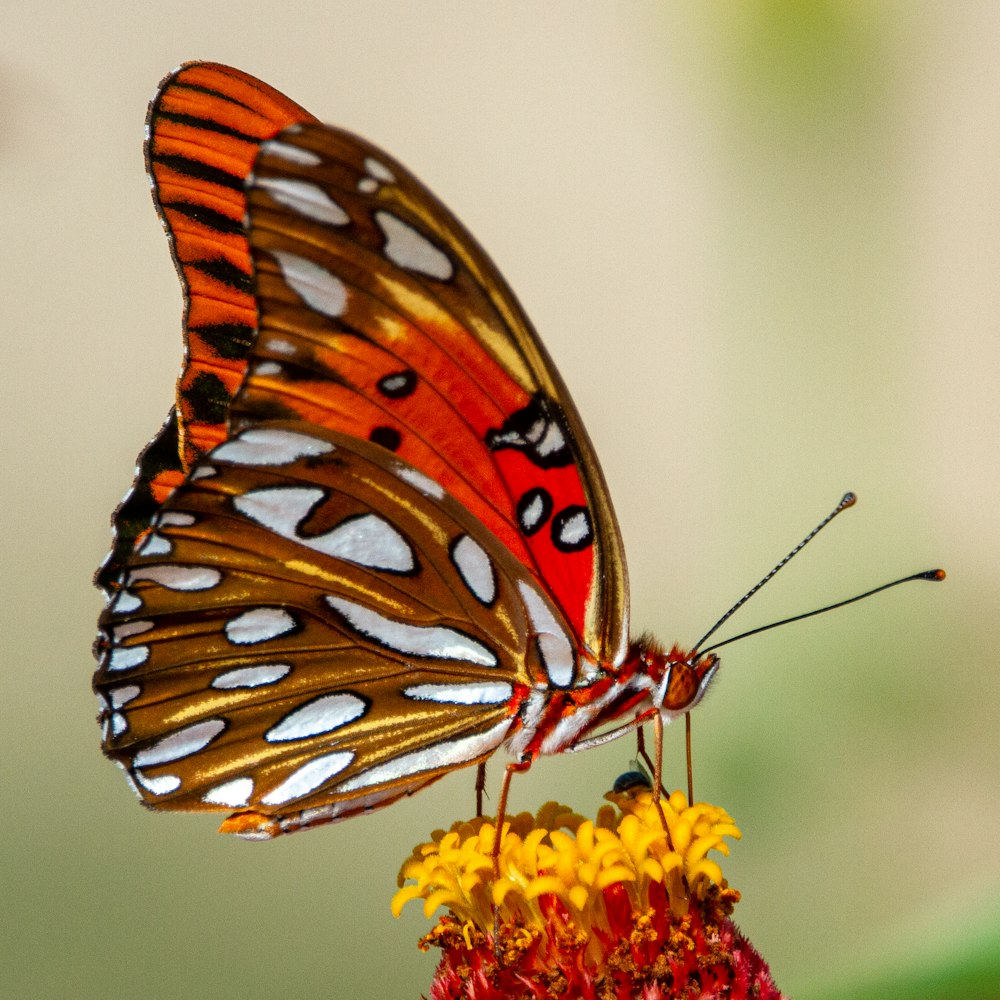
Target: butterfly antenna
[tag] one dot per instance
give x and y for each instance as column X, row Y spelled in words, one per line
column 929, row 574
column 847, row 500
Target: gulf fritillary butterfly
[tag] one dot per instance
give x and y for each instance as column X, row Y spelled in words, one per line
column 372, row 541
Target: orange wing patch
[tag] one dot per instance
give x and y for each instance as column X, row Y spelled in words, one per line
column 204, row 128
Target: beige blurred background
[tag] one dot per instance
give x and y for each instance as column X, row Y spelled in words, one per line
column 762, row 242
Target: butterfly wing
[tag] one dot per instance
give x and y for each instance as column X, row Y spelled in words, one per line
column 313, row 628
column 302, row 631
column 205, row 125
column 382, row 318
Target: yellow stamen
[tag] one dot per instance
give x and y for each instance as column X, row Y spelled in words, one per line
column 560, row 854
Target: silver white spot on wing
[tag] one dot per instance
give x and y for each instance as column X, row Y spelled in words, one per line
column 180, row 744
column 475, row 568
column 203, row 472
column 367, row 185
column 321, row 715
column 392, row 385
column 379, row 170
column 305, row 198
column 267, row 368
column 293, row 154
column 124, row 603
column 270, row 446
column 368, row 540
column 154, row 544
column 553, row 644
column 233, row 793
column 532, row 514
column 127, row 657
column 420, row 640
column 280, row 346
column 178, row 577
column 484, row 693
column 315, row 285
column 115, row 723
column 411, row 250
column 160, row 785
column 429, row 487
column 308, row 777
column 120, row 696
column 258, row 625
column 553, row 440
column 574, row 529
column 251, row 677
column 448, row 754
column 175, row 518
column 125, row 629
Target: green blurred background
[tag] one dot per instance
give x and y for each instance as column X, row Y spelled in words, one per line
column 762, row 243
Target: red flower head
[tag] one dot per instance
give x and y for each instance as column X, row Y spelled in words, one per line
column 611, row 909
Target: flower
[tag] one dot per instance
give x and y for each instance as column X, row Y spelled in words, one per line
column 628, row 905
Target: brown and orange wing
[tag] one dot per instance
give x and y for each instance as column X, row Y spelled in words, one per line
column 312, row 629
column 204, row 128
column 399, row 551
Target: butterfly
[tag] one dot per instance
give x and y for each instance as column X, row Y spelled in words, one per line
column 372, row 542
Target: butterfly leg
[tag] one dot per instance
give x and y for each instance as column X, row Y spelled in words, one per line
column 687, row 744
column 658, row 768
column 509, row 772
column 480, row 788
column 643, row 754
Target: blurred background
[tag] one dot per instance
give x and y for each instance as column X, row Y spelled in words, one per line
column 762, row 243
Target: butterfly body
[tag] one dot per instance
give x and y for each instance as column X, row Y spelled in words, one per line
column 378, row 546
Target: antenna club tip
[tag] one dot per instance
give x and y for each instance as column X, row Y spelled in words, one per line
column 935, row 574
column 849, row 499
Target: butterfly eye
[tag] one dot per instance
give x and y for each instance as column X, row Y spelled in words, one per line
column 704, row 668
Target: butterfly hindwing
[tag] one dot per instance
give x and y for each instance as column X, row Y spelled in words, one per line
column 313, row 624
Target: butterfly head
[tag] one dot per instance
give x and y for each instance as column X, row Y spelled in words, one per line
column 679, row 679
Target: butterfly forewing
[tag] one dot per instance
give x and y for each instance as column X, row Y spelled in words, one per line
column 314, row 625
column 382, row 318
column 204, row 127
